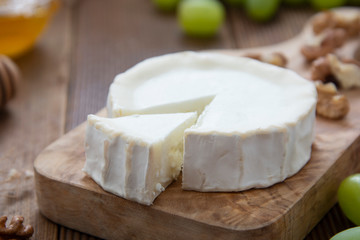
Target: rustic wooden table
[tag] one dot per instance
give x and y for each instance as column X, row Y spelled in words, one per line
column 67, row 75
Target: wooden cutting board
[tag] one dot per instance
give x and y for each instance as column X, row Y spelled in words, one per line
column 287, row 210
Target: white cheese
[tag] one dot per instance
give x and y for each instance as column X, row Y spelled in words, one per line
column 137, row 156
column 256, row 123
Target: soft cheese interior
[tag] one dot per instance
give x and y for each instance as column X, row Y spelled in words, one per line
column 256, row 122
column 136, row 156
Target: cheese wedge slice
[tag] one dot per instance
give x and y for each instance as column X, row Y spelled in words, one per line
column 137, row 156
column 256, row 122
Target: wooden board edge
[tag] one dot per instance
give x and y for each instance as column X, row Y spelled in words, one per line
column 50, row 206
column 163, row 225
column 322, row 194
column 45, row 182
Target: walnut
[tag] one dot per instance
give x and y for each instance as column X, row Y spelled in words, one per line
column 357, row 52
column 320, row 69
column 350, row 25
column 313, row 52
column 351, row 61
column 332, row 39
column 275, row 58
column 345, row 72
column 15, row 229
column 332, row 30
column 331, row 20
column 322, row 21
column 331, row 104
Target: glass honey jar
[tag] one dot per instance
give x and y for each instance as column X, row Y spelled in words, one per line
column 21, row 22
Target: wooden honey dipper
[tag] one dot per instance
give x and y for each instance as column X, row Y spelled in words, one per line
column 9, row 79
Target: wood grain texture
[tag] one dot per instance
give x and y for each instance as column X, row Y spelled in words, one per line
column 114, row 35
column 288, row 210
column 31, row 121
column 35, row 117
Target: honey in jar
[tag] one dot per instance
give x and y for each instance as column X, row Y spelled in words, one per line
column 21, row 22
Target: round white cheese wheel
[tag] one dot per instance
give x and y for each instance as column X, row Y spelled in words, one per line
column 256, row 120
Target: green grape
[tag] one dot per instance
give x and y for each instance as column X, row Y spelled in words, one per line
column 349, row 197
column 349, row 234
column 325, row 4
column 235, row 3
column 166, row 5
column 294, row 2
column 200, row 17
column 262, row 10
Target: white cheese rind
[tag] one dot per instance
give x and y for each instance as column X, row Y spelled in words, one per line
column 136, row 157
column 216, row 161
column 256, row 123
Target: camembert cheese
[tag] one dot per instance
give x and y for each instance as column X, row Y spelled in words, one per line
column 136, row 156
column 256, row 120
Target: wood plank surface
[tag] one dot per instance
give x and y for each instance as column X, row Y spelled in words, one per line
column 73, row 63
column 31, row 121
column 287, row 210
column 126, row 33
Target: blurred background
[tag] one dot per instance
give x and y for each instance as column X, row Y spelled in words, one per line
column 68, row 52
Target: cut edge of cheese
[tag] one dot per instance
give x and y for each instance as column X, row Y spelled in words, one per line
column 125, row 156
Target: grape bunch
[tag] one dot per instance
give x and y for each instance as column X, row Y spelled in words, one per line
column 204, row 17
